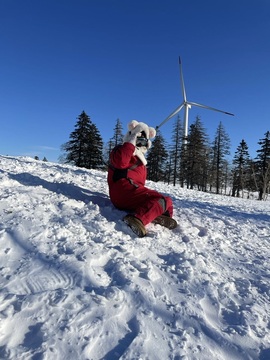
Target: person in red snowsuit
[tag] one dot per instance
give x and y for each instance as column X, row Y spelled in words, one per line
column 126, row 179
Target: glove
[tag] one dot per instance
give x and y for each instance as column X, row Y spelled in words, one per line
column 133, row 134
column 133, row 139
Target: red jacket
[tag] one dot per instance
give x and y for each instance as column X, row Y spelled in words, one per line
column 121, row 158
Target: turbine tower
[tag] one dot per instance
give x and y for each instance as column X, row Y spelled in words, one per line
column 187, row 105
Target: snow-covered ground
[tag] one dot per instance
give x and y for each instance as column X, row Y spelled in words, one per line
column 76, row 283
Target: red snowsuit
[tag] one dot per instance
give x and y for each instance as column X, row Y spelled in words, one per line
column 127, row 187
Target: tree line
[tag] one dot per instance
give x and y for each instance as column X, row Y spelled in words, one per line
column 193, row 162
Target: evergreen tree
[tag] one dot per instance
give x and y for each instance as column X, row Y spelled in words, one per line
column 168, row 169
column 76, row 147
column 226, row 174
column 221, row 148
column 240, row 170
column 263, row 166
column 197, row 156
column 85, row 146
column 183, row 171
column 94, row 158
column 251, row 181
column 107, row 150
column 156, row 159
column 117, row 138
column 175, row 151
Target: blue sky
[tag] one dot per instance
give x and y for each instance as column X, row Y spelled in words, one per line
column 119, row 59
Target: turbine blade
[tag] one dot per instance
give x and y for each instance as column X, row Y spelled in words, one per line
column 179, row 108
column 208, row 107
column 182, row 80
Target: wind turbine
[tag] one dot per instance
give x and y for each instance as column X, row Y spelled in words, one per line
column 187, row 105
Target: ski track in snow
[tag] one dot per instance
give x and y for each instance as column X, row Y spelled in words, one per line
column 77, row 284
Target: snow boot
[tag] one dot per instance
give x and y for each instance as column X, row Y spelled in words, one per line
column 135, row 224
column 165, row 221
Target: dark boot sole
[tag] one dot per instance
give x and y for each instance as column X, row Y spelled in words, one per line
column 165, row 221
column 135, row 224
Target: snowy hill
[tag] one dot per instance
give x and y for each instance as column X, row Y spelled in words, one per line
column 75, row 282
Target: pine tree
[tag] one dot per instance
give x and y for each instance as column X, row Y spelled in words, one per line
column 196, row 157
column 221, row 148
column 94, row 158
column 76, row 148
column 175, row 151
column 107, row 150
column 117, row 138
column 251, row 181
column 241, row 163
column 156, row 159
column 85, row 147
column 263, row 166
column 183, row 171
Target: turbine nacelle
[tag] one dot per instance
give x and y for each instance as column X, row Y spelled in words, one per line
column 187, row 105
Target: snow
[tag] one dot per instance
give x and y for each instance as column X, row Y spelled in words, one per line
column 76, row 283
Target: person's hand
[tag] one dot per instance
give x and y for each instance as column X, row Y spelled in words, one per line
column 133, row 134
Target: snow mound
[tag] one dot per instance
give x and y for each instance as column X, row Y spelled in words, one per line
column 76, row 283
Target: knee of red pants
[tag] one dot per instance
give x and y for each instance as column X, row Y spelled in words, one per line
column 169, row 205
column 153, row 209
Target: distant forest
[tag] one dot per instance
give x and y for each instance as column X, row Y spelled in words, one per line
column 193, row 162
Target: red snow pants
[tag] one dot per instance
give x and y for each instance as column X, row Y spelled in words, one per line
column 144, row 203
